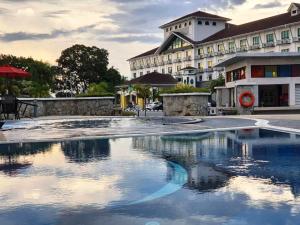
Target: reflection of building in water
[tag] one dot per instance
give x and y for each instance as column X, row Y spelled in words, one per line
column 11, row 155
column 259, row 153
column 184, row 150
column 86, row 150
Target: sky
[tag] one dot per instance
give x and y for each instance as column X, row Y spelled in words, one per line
column 43, row 28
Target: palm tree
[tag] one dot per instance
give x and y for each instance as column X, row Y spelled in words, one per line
column 144, row 92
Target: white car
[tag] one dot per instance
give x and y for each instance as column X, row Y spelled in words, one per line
column 150, row 106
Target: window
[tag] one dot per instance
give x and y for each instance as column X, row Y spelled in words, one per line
column 209, row 77
column 214, row 23
column 170, row 70
column 238, row 74
column 298, row 49
column 220, row 48
column 294, row 12
column 175, row 27
column 206, row 23
column 148, row 72
column 200, row 22
column 209, row 64
column 243, row 43
column 190, row 23
column 270, row 71
column 209, row 50
column 299, row 32
column 200, row 78
column 179, row 25
column 163, row 70
column 167, row 30
column 200, row 51
column 285, row 35
column 200, row 66
column 185, row 24
column 285, row 50
column 256, row 40
column 270, row 38
column 134, row 75
column 257, row 71
column 192, row 81
column 231, row 46
column 141, row 73
column 178, row 68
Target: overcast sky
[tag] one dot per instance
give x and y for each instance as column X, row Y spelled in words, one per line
column 43, row 28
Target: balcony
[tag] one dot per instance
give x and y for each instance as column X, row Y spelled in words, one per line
column 242, row 49
column 148, row 66
column 199, row 56
column 220, row 53
column 209, row 70
column 177, row 60
column 200, row 70
column 268, row 45
column 140, row 67
column 284, row 42
column 255, row 47
column 133, row 68
column 188, row 58
column 296, row 39
column 154, row 65
column 169, row 61
column 162, row 63
column 209, row 55
column 230, row 51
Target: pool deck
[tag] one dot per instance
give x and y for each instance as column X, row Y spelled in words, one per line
column 54, row 128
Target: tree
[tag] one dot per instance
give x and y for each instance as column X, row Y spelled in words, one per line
column 80, row 66
column 143, row 92
column 220, row 82
column 113, row 78
column 39, row 83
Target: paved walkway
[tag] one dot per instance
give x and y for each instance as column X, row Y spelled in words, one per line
column 62, row 128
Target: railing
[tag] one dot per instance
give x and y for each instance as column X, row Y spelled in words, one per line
column 177, row 60
column 219, row 53
column 169, row 61
column 209, row 69
column 268, row 45
column 219, row 69
column 148, row 66
column 254, row 47
column 188, row 58
column 296, row 39
column 199, row 56
column 230, row 51
column 242, row 49
column 200, row 70
column 162, row 63
column 208, row 55
column 141, row 67
column 284, row 42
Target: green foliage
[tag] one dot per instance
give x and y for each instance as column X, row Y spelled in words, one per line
column 183, row 88
column 38, row 85
column 125, row 113
column 220, row 82
column 97, row 90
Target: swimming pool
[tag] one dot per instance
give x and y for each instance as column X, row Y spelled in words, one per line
column 249, row 176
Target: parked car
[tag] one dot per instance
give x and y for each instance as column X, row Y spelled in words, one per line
column 158, row 107
column 152, row 105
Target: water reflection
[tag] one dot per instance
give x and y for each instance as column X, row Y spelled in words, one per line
column 86, row 150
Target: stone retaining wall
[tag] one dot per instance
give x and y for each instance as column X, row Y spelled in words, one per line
column 98, row 106
column 187, row 104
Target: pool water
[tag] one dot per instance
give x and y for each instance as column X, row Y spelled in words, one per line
column 236, row 178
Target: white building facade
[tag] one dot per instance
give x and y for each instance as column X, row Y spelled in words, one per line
column 202, row 40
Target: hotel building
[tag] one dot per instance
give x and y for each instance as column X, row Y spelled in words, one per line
column 195, row 43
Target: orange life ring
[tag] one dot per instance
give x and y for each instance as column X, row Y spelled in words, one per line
column 246, row 96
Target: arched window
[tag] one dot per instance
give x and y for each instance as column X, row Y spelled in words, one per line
column 192, row 81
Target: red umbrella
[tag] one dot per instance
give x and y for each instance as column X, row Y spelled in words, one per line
column 13, row 72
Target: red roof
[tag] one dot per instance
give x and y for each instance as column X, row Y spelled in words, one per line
column 154, row 78
column 151, row 52
column 198, row 14
column 257, row 25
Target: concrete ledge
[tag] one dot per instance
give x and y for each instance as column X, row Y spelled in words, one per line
column 65, row 99
column 186, row 94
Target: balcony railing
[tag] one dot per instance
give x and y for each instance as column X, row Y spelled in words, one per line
column 177, row 60
column 154, row 65
column 210, row 54
column 242, row 49
column 169, row 61
column 200, row 70
column 188, row 58
column 148, row 65
column 162, row 63
column 284, row 41
column 199, row 56
column 219, row 69
column 219, row 53
column 296, row 39
column 209, row 69
column 141, row 67
column 254, row 47
column 230, row 51
column 268, row 45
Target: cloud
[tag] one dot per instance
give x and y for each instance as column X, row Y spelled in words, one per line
column 268, row 5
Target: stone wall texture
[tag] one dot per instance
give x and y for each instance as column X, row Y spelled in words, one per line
column 70, row 107
column 192, row 104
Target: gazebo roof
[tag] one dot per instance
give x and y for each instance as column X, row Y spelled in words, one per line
column 153, row 79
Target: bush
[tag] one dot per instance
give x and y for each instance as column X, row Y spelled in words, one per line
column 97, row 90
column 183, row 88
column 125, row 113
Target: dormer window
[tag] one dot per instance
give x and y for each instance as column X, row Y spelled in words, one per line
column 206, row 23
column 294, row 12
column 199, row 22
column 294, row 9
column 185, row 24
column 179, row 25
column 214, row 23
column 190, row 23
column 167, row 30
column 175, row 27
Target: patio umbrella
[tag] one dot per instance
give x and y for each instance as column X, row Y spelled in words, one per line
column 11, row 72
